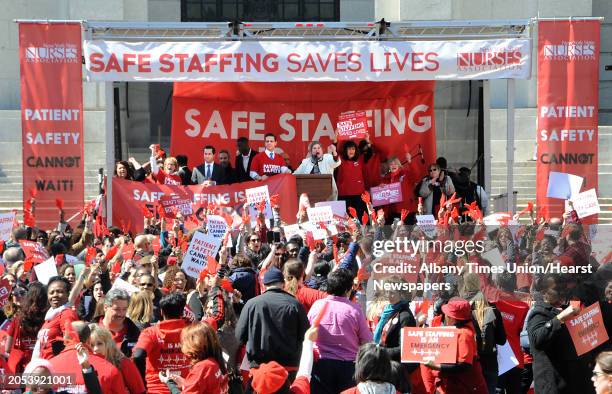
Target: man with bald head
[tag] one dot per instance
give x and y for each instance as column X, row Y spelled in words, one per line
column 142, row 246
column 13, row 255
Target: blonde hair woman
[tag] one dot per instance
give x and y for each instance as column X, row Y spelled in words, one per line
column 490, row 327
column 102, row 344
column 140, row 310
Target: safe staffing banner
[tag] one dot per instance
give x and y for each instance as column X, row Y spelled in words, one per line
column 51, row 117
column 129, row 198
column 568, row 88
column 400, row 116
column 273, row 61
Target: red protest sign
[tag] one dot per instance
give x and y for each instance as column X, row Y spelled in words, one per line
column 386, row 194
column 174, row 202
column 587, row 329
column 36, row 251
column 352, row 125
column 436, row 344
column 5, row 289
column 127, row 252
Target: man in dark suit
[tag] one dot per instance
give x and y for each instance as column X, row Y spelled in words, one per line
column 184, row 170
column 244, row 157
column 209, row 170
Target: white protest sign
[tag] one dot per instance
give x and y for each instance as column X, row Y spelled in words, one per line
column 563, row 186
column 427, row 223
column 291, row 230
column 494, row 257
column 216, row 225
column 320, row 214
column 46, row 270
column 6, row 225
column 123, row 285
column 317, row 232
column 586, row 203
column 338, row 207
column 200, row 248
column 254, row 196
column 506, row 360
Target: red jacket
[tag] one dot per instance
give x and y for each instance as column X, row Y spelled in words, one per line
column 131, row 376
column 205, row 377
column 109, row 376
column 350, row 178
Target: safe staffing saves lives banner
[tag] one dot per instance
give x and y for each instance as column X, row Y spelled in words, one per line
column 51, row 117
column 568, row 88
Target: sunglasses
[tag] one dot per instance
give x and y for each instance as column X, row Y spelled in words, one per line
column 433, row 169
column 146, row 285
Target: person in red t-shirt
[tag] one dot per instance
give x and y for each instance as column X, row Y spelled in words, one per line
column 293, row 270
column 123, row 330
column 208, row 374
column 159, row 347
column 102, row 344
column 169, row 174
column 67, row 362
column 58, row 316
column 465, row 376
column 268, row 162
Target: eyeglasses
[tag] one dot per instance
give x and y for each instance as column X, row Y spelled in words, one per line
column 433, row 169
column 146, row 285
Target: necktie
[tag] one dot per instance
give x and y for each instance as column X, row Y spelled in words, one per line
column 271, row 156
column 207, row 171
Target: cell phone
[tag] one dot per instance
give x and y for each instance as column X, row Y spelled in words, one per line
column 276, row 236
column 270, row 237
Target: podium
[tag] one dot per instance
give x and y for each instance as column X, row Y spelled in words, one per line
column 318, row 187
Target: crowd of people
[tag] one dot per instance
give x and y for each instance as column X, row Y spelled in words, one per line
column 277, row 314
column 356, row 168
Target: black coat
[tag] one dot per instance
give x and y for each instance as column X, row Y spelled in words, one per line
column 556, row 367
column 240, row 174
column 403, row 318
column 219, row 175
column 273, row 325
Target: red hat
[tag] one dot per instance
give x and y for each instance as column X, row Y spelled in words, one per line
column 458, row 309
column 268, row 378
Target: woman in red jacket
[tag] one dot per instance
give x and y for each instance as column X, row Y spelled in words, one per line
column 208, row 374
column 465, row 376
column 350, row 178
column 102, row 344
column 57, row 318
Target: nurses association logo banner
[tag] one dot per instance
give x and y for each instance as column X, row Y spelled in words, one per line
column 568, row 80
column 399, row 115
column 51, row 117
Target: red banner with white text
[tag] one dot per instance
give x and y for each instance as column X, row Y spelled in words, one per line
column 51, row 116
column 130, row 197
column 400, row 116
column 568, row 88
